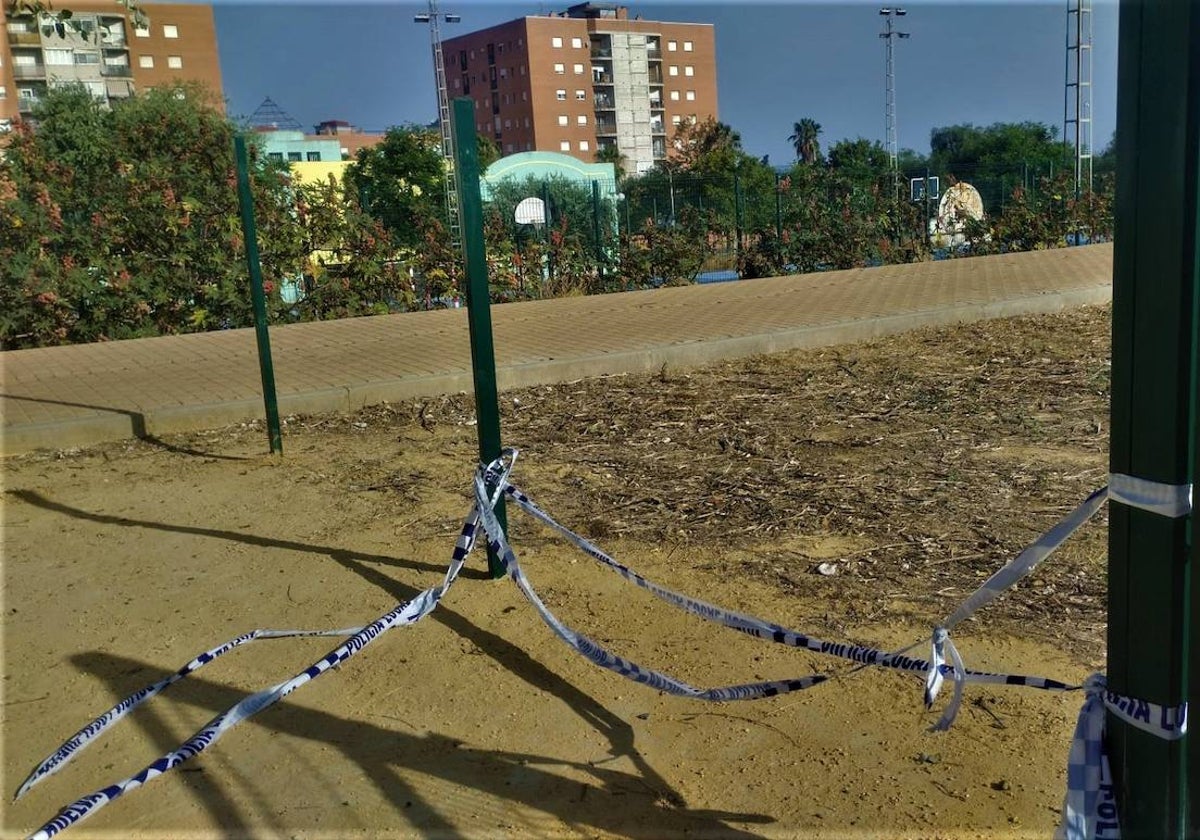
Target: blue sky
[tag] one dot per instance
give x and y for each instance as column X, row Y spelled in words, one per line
column 966, row 62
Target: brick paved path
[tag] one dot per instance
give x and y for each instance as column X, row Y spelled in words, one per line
column 71, row 396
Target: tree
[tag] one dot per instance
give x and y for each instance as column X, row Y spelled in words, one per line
column 124, row 222
column 706, row 146
column 804, row 137
column 611, row 153
column 859, row 158
column 400, row 182
column 489, row 151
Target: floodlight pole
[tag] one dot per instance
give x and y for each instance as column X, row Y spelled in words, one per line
column 1153, row 632
column 889, row 81
column 432, row 17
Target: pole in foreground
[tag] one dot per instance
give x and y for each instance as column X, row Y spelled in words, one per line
column 479, row 315
column 1156, row 291
column 257, row 296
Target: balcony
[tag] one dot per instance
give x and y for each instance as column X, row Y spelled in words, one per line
column 654, row 54
column 602, row 79
column 24, row 39
column 657, row 127
column 656, row 78
column 29, row 71
column 601, row 52
column 605, row 103
column 605, row 128
column 121, row 71
column 25, row 104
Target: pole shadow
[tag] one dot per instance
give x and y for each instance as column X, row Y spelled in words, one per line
column 137, row 426
column 611, row 801
column 662, row 811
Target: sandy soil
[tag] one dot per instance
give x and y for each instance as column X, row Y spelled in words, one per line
column 913, row 467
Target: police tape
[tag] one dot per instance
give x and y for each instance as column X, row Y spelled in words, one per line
column 1089, row 806
column 402, row 615
column 492, row 480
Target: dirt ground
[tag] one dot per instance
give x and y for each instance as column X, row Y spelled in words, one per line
column 911, row 468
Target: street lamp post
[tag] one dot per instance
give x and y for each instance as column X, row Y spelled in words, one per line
column 433, row 17
column 889, row 97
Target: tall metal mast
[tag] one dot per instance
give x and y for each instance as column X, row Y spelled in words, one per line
column 439, row 73
column 1077, row 105
column 889, row 96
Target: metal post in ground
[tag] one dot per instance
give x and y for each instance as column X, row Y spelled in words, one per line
column 596, row 227
column 479, row 314
column 778, row 212
column 257, row 295
column 1156, row 293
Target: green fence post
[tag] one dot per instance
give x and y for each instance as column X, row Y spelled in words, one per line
column 778, row 211
column 1153, row 437
column 257, row 296
column 596, row 226
column 737, row 215
column 479, row 314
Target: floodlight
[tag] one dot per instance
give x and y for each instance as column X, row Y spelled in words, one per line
column 421, row 18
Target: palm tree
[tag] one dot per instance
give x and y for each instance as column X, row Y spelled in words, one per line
column 804, row 137
column 609, row 153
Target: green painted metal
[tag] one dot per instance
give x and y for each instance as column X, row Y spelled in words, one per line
column 479, row 314
column 257, row 296
column 596, row 226
column 1156, row 291
column 778, row 211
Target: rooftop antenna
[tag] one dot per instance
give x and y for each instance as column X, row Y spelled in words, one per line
column 889, row 95
column 433, row 17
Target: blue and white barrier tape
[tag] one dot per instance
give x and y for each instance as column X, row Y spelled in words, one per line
column 1170, row 500
column 1020, row 566
column 401, row 615
column 495, row 476
column 1089, row 807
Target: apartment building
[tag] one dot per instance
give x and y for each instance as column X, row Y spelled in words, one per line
column 107, row 54
column 585, row 80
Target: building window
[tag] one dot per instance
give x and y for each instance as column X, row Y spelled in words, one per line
column 507, row 124
column 578, row 69
column 508, row 147
column 145, row 61
column 142, row 31
column 294, row 156
column 560, row 69
column 672, row 46
column 689, row 70
column 527, row 122
column 524, row 96
column 583, row 145
column 581, row 119
column 577, row 43
column 312, row 156
column 581, row 95
column 564, row 146
column 522, row 69
column 3, row 92
column 676, row 120
column 691, row 96
column 87, row 58
column 175, row 62
column 674, row 96
column 58, row 57
column 562, row 119
column 687, row 46
column 673, row 70
column 560, row 95
column 556, row 43
column 170, row 31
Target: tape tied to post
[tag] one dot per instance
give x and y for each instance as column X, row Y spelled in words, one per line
column 1170, row 500
column 1090, row 807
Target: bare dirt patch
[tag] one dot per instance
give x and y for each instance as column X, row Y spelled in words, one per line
column 913, row 467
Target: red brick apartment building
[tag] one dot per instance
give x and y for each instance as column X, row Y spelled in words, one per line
column 109, row 54
column 585, row 79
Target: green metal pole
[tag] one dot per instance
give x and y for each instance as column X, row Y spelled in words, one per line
column 479, row 314
column 737, row 214
column 596, row 226
column 778, row 211
column 257, row 296
column 1154, row 369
